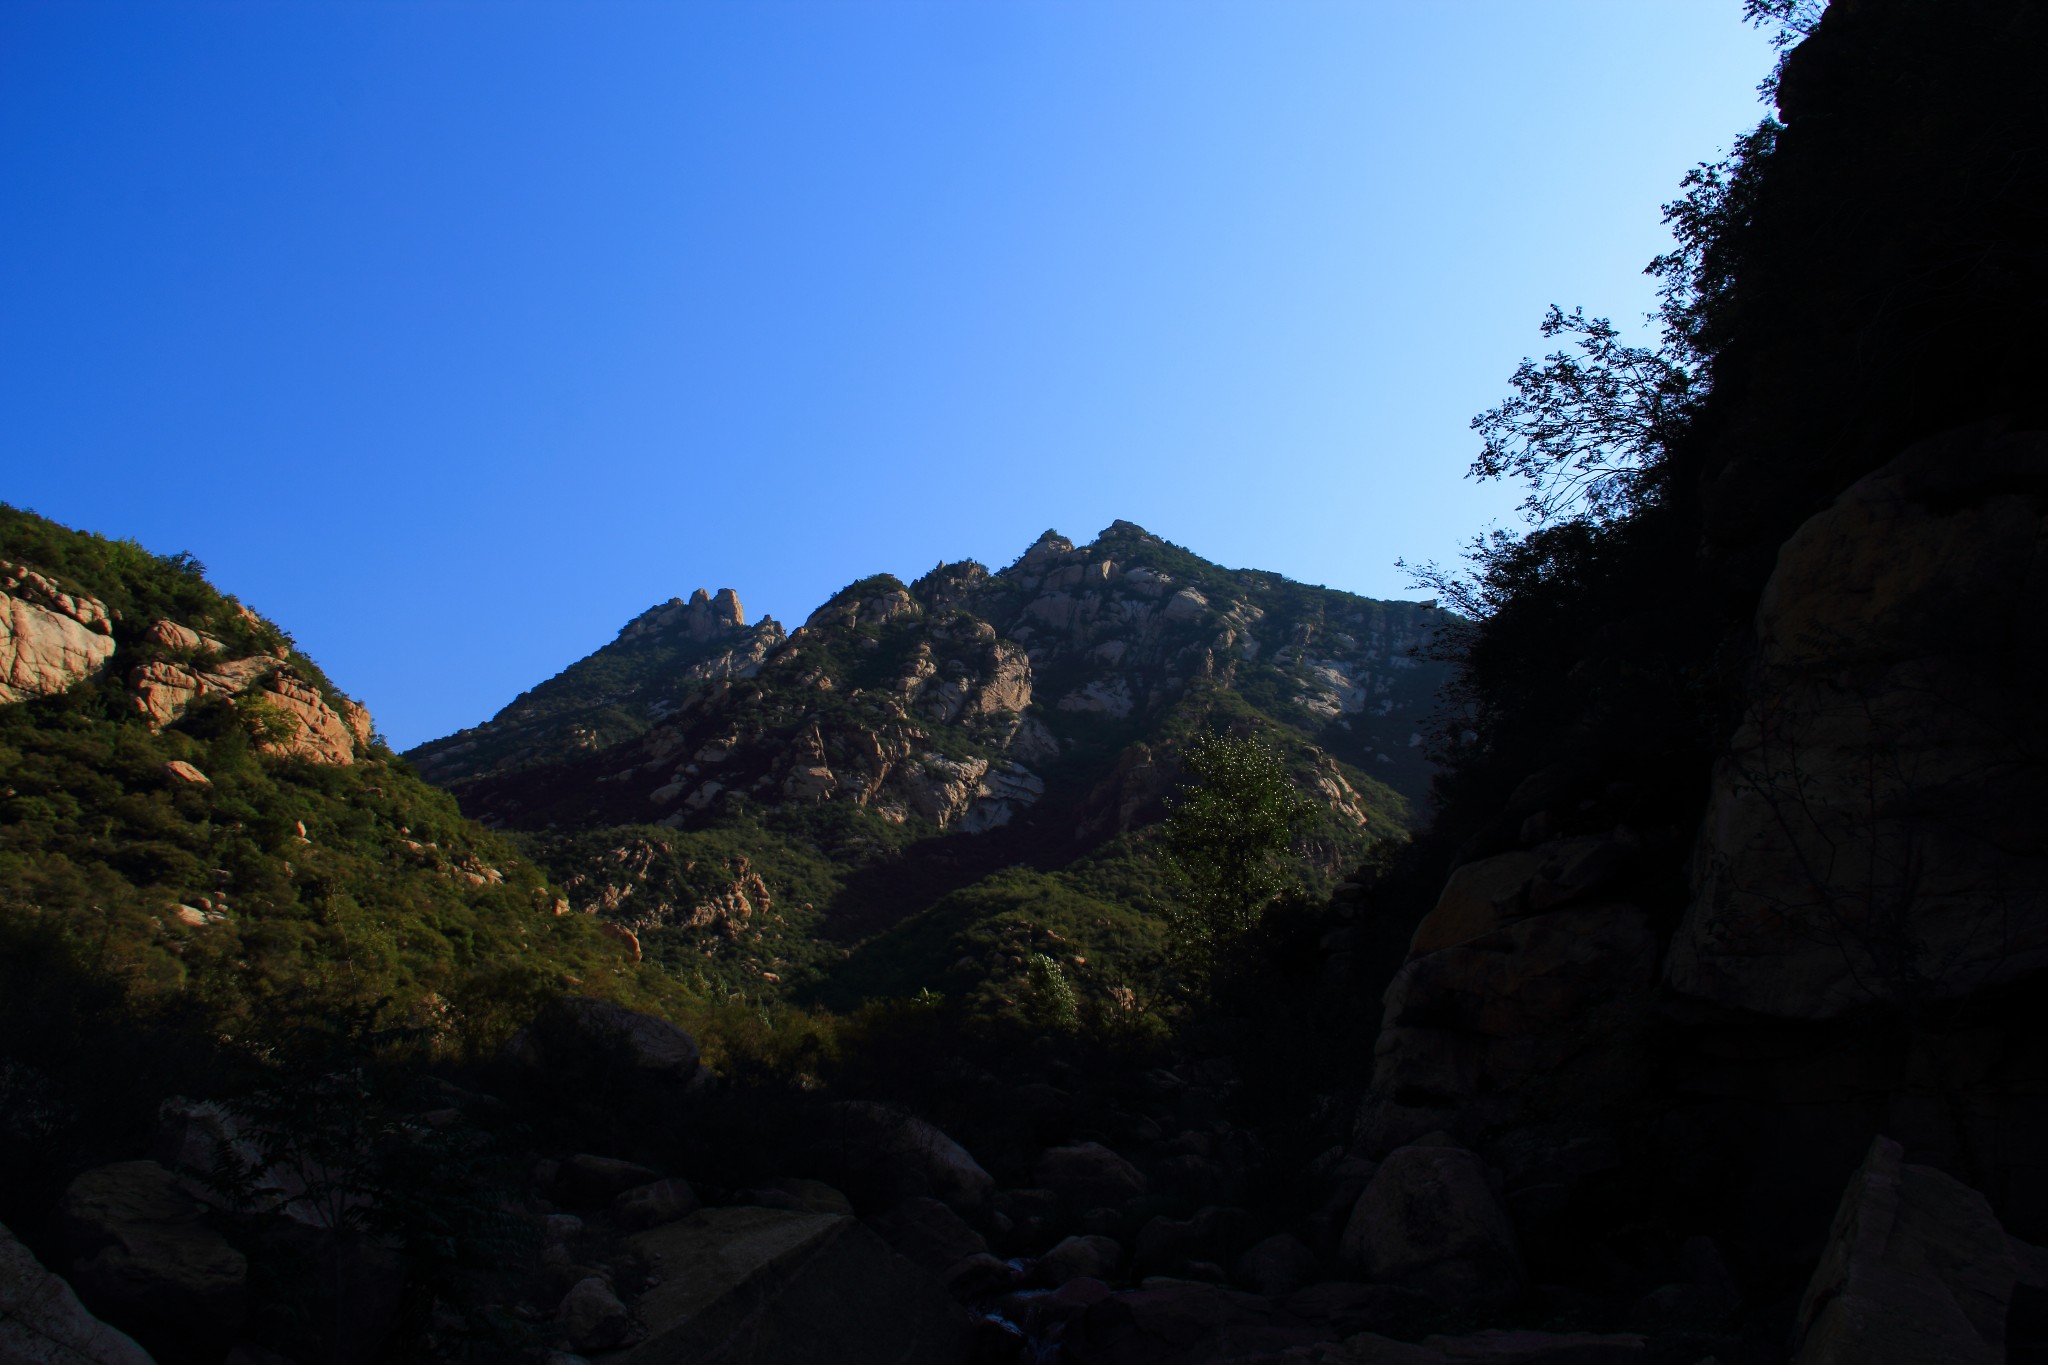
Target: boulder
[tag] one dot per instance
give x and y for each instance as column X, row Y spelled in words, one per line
column 882, row 1156
column 43, row 1323
column 592, row 1317
column 1276, row 1267
column 769, row 1287
column 178, row 770
column 576, row 1028
column 1548, row 1012
column 814, row 1196
column 1092, row 1257
column 1218, row 1234
column 930, row 1234
column 600, row 1179
column 144, row 1259
column 1892, row 712
column 49, row 639
column 1088, row 1175
column 312, row 730
column 1916, row 1268
column 1483, row 896
column 1429, row 1220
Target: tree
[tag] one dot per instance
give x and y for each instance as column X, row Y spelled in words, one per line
column 1228, row 834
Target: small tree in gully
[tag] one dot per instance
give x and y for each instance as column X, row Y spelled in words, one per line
column 1227, row 836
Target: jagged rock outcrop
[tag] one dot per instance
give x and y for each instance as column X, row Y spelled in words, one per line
column 952, row 700
column 292, row 717
column 49, row 638
column 661, row 660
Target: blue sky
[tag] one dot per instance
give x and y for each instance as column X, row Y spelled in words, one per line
column 453, row 335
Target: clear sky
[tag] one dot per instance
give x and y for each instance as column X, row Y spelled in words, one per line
column 452, row 335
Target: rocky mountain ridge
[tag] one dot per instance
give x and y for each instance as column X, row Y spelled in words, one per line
column 909, row 740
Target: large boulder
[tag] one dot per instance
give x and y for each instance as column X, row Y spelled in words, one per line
column 930, row 1234
column 773, row 1287
column 579, row 1028
column 1916, row 1269
column 1090, row 1256
column 49, row 639
column 882, row 1156
column 144, row 1259
column 1276, row 1267
column 1429, row 1220
column 592, row 1317
column 1088, row 1175
column 1871, row 835
column 43, row 1323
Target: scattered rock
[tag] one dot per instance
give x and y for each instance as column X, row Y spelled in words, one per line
column 178, row 770
column 622, row 934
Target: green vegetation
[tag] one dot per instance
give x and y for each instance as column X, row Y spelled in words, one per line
column 1229, row 839
column 276, row 887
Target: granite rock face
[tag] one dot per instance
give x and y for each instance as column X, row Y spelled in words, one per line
column 49, row 639
column 951, row 703
column 1870, row 834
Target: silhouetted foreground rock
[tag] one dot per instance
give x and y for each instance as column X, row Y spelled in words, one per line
column 43, row 1323
column 144, row 1259
column 1917, row 1268
column 772, row 1287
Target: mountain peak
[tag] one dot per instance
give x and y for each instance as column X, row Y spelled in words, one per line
column 1049, row 545
column 702, row 617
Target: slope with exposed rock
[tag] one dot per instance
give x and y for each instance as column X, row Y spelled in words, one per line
column 910, row 739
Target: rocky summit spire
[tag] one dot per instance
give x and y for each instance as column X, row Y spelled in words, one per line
column 701, row 618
